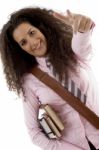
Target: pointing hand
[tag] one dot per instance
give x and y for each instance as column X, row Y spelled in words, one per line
column 78, row 22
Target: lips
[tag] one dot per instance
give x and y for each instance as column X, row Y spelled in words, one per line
column 38, row 47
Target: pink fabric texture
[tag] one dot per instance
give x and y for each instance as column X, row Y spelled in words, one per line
column 76, row 127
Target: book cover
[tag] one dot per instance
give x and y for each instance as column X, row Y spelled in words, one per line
column 52, row 114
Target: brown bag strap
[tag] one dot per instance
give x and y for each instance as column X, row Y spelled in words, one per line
column 67, row 96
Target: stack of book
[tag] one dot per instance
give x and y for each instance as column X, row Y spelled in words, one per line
column 50, row 122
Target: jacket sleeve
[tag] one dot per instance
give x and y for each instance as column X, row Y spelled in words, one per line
column 81, row 45
column 31, row 108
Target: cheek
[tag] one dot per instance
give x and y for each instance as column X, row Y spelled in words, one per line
column 26, row 48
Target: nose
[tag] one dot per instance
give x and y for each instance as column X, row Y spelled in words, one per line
column 34, row 43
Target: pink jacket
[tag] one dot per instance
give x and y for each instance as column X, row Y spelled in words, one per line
column 76, row 127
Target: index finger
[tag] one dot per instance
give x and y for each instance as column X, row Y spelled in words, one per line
column 69, row 13
column 61, row 17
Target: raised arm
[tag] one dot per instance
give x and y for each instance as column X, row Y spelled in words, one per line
column 82, row 46
column 82, row 29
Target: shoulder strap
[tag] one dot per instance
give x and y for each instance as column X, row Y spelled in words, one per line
column 67, row 96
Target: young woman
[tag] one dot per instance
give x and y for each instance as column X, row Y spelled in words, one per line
column 59, row 45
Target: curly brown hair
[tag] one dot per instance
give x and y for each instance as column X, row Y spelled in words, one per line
column 17, row 62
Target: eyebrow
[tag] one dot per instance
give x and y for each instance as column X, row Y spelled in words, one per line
column 23, row 39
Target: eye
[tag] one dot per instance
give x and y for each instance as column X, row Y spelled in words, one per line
column 23, row 42
column 31, row 32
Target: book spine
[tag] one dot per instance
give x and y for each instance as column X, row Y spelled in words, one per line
column 46, row 128
column 54, row 117
column 52, row 126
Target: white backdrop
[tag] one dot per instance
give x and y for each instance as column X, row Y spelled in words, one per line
column 13, row 133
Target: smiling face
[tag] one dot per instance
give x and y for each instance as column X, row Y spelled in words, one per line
column 30, row 39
